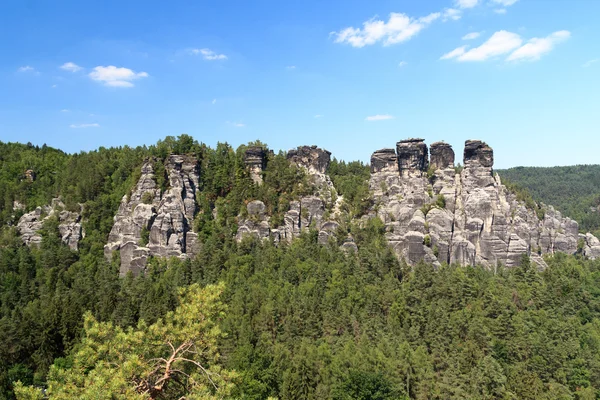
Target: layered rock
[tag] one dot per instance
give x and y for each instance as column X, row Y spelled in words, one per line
column 255, row 159
column 69, row 224
column 304, row 213
column 442, row 155
column 468, row 218
column 412, row 155
column 152, row 223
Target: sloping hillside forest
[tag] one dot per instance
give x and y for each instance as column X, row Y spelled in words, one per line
column 253, row 320
column 573, row 190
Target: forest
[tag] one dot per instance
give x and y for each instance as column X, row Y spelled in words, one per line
column 255, row 320
column 573, row 190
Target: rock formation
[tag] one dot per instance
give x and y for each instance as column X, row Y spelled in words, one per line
column 255, row 159
column 152, row 223
column 467, row 217
column 304, row 212
column 69, row 224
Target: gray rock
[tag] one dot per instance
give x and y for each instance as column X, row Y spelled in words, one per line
column 384, row 160
column 166, row 219
column 255, row 159
column 69, row 224
column 412, row 155
column 314, row 159
column 442, row 155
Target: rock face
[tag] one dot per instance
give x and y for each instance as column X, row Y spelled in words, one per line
column 467, row 218
column 303, row 213
column 255, row 159
column 152, row 223
column 412, row 155
column 384, row 160
column 314, row 159
column 69, row 224
column 442, row 155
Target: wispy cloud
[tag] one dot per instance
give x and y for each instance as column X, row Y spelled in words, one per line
column 466, row 3
column 208, row 54
column 78, row 126
column 214, row 101
column 535, row 48
column 454, row 53
column 54, row 86
column 290, row 67
column 115, row 76
column 590, row 63
column 71, row 67
column 471, row 36
column 402, row 64
column 65, row 110
column 379, row 117
column 318, row 116
column 451, row 13
column 236, row 124
column 505, row 3
column 501, row 42
column 26, row 68
column 398, row 28
column 500, row 10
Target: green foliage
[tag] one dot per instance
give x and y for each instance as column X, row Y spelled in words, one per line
column 144, row 236
column 303, row 321
column 573, row 190
column 171, row 358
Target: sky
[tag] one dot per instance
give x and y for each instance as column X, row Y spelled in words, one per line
column 349, row 76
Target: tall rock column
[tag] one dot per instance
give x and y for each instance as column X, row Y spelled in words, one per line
column 255, row 159
column 412, row 156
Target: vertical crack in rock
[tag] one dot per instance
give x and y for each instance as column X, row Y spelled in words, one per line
column 152, row 223
column 470, row 217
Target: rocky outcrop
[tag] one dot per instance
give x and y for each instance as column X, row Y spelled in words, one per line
column 412, row 156
column 442, row 155
column 468, row 217
column 255, row 159
column 69, row 224
column 314, row 159
column 384, row 160
column 304, row 213
column 152, row 223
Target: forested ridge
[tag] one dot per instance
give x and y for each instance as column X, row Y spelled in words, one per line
column 292, row 321
column 573, row 190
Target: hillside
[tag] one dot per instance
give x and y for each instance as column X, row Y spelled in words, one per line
column 298, row 277
column 574, row 190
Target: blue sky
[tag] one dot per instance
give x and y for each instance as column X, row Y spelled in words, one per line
column 349, row 76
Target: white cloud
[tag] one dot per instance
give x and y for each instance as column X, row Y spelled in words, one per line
column 208, row 54
column 454, row 53
column 399, row 28
column 451, row 13
column 71, row 67
column 65, row 110
column 290, row 67
column 500, row 10
column 590, row 63
column 379, row 117
column 116, row 77
column 402, row 63
column 214, row 101
column 318, row 116
column 26, row 68
column 499, row 43
column 236, row 124
column 77, row 126
column 54, row 86
column 466, row 3
column 505, row 3
column 471, row 36
column 535, row 48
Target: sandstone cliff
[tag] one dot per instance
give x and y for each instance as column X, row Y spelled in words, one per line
column 440, row 214
column 150, row 222
column 69, row 224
